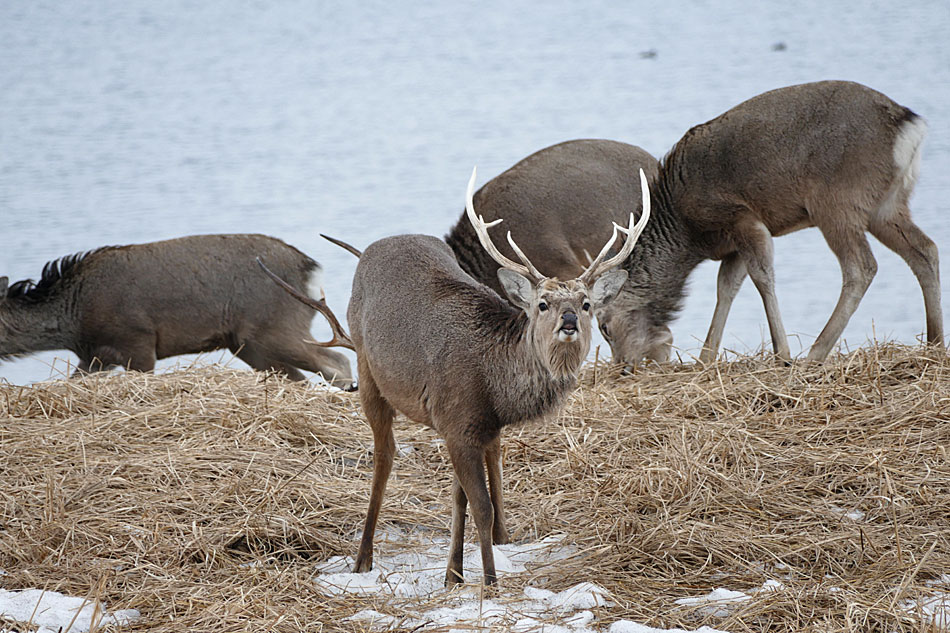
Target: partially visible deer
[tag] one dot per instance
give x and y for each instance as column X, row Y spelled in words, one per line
column 130, row 305
column 449, row 352
column 560, row 204
column 834, row 155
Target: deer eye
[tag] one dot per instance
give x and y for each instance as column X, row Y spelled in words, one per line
column 603, row 330
column 543, row 306
column 586, row 306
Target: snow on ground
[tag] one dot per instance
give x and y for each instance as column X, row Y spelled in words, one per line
column 935, row 609
column 412, row 566
column 53, row 612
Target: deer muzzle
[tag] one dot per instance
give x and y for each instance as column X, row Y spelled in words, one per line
column 568, row 330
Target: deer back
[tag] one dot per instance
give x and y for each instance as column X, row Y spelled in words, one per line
column 560, row 205
column 427, row 331
column 192, row 294
column 780, row 155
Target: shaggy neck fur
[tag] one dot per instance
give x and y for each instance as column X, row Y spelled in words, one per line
column 665, row 255
column 36, row 317
column 528, row 379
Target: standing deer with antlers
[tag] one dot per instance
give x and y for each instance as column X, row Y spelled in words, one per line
column 449, row 352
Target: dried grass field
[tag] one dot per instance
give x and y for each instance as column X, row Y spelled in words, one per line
column 205, row 498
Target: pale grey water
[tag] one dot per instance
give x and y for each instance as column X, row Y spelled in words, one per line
column 132, row 121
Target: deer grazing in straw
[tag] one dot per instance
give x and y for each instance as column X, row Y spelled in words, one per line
column 834, row 155
column 130, row 305
column 449, row 352
column 560, row 204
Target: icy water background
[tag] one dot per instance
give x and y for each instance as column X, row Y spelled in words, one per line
column 133, row 121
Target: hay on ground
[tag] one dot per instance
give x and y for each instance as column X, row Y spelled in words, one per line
column 204, row 498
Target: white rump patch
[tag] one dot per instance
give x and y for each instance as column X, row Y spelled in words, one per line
column 907, row 150
column 315, row 284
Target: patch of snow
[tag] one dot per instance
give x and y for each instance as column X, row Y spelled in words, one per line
column 718, row 603
column 934, row 610
column 51, row 611
column 854, row 515
column 408, row 565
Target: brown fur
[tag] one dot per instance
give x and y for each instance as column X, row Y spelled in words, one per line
column 821, row 154
column 560, row 204
column 130, row 305
column 450, row 353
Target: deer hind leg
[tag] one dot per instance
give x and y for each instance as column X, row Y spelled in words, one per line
column 754, row 245
column 493, row 463
column 263, row 359
column 468, row 462
column 901, row 235
column 380, row 415
column 858, row 267
column 303, row 353
column 732, row 272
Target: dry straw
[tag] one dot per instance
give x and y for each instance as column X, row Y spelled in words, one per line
column 204, row 498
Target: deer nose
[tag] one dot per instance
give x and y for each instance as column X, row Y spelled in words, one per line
column 569, row 320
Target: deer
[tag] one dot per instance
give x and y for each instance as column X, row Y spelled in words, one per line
column 127, row 306
column 835, row 155
column 449, row 352
column 560, row 204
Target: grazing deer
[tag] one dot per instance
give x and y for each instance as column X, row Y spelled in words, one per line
column 449, row 352
column 130, row 305
column 834, row 155
column 561, row 203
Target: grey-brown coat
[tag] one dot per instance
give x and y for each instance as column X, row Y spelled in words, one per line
column 130, row 305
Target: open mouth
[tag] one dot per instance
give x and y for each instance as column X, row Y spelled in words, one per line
column 567, row 333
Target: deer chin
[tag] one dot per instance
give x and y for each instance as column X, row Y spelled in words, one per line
column 564, row 358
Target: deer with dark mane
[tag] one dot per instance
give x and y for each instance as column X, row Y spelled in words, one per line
column 127, row 306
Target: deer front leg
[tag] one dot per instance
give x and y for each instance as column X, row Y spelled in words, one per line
column 732, row 273
column 454, row 573
column 755, row 249
column 469, row 467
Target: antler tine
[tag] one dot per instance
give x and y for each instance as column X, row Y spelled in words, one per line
column 340, row 337
column 481, row 229
column 632, row 231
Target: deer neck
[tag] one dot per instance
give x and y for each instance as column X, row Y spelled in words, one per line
column 471, row 255
column 34, row 326
column 668, row 251
column 526, row 384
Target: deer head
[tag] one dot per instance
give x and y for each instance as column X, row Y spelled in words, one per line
column 559, row 312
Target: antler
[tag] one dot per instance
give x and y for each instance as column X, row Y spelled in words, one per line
column 633, row 231
column 481, row 229
column 340, row 337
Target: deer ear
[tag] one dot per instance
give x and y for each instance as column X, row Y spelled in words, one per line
column 607, row 287
column 4, row 282
column 518, row 288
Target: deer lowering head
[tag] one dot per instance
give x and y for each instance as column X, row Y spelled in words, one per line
column 128, row 306
column 834, row 155
column 559, row 204
column 449, row 352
